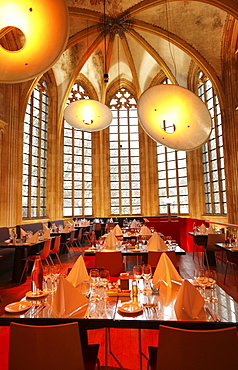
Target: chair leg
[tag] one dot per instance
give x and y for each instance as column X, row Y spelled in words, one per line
column 51, row 260
column 24, row 270
column 57, row 256
column 226, row 272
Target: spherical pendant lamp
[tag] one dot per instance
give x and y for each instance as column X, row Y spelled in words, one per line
column 174, row 117
column 88, row 115
column 43, row 26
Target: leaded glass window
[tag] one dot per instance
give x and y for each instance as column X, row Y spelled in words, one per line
column 77, row 180
column 35, row 153
column 172, row 178
column 124, row 155
column 213, row 154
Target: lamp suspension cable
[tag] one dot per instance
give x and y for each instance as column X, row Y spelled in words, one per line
column 105, row 42
column 167, row 11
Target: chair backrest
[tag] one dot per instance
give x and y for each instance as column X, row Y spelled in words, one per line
column 97, row 226
column 46, row 250
column 56, row 247
column 110, row 226
column 111, row 261
column 45, row 347
column 212, row 239
column 154, row 257
column 71, row 238
column 197, row 349
column 80, row 234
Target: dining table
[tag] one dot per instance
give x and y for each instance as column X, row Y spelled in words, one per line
column 200, row 239
column 22, row 250
column 111, row 311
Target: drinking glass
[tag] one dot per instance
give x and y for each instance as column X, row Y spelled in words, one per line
column 94, row 280
column 137, row 273
column 147, row 274
column 104, row 278
column 84, row 287
column 202, row 280
column 212, row 278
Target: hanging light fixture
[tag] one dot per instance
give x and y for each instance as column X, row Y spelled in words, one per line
column 88, row 115
column 174, row 117
column 42, row 27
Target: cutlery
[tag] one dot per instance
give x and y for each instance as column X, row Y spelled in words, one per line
column 212, row 313
column 31, row 310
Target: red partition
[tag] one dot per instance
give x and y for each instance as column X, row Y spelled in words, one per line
column 178, row 228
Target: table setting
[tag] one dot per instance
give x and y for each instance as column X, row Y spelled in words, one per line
column 140, row 299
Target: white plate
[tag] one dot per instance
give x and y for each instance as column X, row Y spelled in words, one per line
column 34, row 296
column 18, row 306
column 130, row 308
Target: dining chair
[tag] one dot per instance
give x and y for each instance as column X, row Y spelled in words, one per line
column 111, row 261
column 183, row 349
column 232, row 262
column 199, row 242
column 87, row 233
column 68, row 242
column 52, row 347
column 44, row 254
column 212, row 239
column 154, row 257
column 97, row 228
column 78, row 238
column 55, row 250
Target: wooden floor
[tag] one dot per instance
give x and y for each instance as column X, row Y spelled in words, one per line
column 10, row 292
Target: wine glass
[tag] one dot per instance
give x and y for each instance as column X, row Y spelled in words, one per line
column 212, row 278
column 94, row 280
column 104, row 278
column 84, row 287
column 147, row 274
column 103, row 284
column 202, row 280
column 137, row 273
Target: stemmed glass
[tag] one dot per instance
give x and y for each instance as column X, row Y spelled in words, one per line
column 212, row 278
column 104, row 281
column 94, row 280
column 147, row 274
column 202, row 280
column 137, row 273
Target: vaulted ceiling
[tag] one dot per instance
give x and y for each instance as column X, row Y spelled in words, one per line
column 140, row 41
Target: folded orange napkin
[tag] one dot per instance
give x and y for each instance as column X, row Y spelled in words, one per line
column 166, row 294
column 210, row 230
column 23, row 233
column 203, row 229
column 189, row 304
column 117, row 231
column 111, row 242
column 166, row 272
column 156, row 243
column 34, row 238
column 134, row 224
column 66, row 229
column 78, row 272
column 145, row 230
column 67, row 299
column 46, row 235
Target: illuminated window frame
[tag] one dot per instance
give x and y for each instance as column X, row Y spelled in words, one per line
column 172, row 178
column 77, row 181
column 124, row 155
column 35, row 153
column 213, row 153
